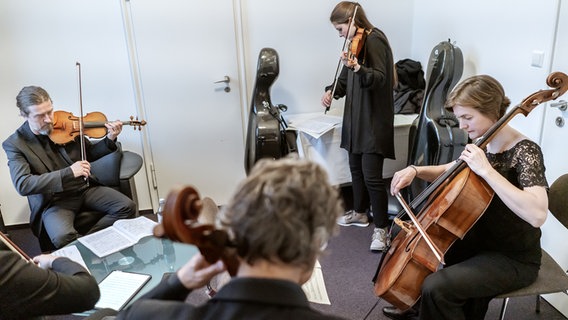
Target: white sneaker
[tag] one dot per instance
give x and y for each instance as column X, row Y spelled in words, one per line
column 379, row 239
column 352, row 218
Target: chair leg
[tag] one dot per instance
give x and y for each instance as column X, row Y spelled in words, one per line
column 537, row 308
column 503, row 308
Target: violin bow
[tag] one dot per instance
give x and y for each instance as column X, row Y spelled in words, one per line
column 81, row 124
column 351, row 24
column 13, row 247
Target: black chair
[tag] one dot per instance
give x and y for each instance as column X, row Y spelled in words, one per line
column 115, row 170
column 551, row 277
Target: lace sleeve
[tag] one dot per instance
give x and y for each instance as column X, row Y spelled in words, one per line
column 530, row 164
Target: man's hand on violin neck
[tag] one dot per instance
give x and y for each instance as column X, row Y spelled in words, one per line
column 114, row 128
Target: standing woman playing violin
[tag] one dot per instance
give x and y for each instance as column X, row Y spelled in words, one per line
column 502, row 250
column 366, row 80
column 53, row 177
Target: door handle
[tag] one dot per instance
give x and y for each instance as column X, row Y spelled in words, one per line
column 226, row 81
column 562, row 105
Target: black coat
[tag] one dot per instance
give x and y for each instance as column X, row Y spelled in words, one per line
column 368, row 117
column 36, row 176
column 240, row 298
column 28, row 291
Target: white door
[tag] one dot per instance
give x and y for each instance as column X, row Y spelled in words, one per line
column 195, row 128
column 553, row 143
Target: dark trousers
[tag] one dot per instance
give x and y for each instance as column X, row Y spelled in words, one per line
column 464, row 290
column 59, row 217
column 369, row 185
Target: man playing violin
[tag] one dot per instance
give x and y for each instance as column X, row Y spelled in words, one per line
column 55, row 178
column 501, row 252
column 366, row 81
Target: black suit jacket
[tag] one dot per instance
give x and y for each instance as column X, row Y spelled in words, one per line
column 241, row 298
column 28, row 291
column 36, row 176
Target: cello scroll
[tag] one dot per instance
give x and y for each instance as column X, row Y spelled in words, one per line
column 556, row 80
column 180, row 223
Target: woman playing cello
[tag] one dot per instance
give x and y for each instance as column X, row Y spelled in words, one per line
column 502, row 251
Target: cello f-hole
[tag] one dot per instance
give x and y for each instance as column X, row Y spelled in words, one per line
column 407, row 248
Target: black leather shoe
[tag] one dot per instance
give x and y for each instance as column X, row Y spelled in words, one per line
column 397, row 314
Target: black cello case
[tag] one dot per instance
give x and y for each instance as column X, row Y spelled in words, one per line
column 435, row 137
column 267, row 136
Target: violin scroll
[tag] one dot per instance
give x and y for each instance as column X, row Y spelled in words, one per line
column 180, row 223
column 135, row 123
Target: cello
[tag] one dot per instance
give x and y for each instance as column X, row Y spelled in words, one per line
column 180, row 222
column 452, row 204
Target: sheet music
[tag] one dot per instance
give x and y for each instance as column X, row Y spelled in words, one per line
column 315, row 125
column 315, row 287
column 73, row 254
column 119, row 287
column 122, row 234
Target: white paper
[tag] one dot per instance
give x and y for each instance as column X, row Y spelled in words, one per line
column 122, row 234
column 315, row 287
column 73, row 254
column 119, row 287
column 316, row 124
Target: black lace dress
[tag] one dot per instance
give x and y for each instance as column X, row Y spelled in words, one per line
column 499, row 254
column 499, row 229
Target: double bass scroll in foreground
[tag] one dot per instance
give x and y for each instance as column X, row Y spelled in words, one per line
column 453, row 203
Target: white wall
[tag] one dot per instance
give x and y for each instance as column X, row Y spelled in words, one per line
column 496, row 38
column 308, row 46
column 41, row 41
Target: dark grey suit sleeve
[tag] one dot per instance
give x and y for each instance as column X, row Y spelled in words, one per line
column 27, row 290
column 164, row 301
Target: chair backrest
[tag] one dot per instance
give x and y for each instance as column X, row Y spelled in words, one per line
column 558, row 199
column 106, row 169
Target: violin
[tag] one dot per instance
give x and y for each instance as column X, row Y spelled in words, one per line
column 180, row 223
column 357, row 43
column 67, row 126
column 354, row 47
column 453, row 203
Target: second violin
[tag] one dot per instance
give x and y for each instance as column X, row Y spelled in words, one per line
column 66, row 126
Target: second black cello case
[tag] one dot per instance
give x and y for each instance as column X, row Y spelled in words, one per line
column 435, row 137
